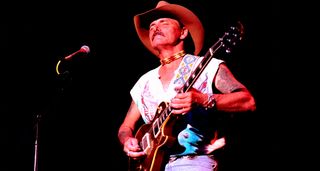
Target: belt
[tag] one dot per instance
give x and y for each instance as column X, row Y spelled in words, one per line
column 189, row 156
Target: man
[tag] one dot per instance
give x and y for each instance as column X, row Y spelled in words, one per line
column 182, row 129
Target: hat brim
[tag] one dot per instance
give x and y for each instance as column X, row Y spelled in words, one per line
column 182, row 14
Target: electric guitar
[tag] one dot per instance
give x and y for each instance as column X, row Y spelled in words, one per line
column 156, row 138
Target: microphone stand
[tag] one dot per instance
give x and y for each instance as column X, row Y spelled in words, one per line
column 35, row 163
column 62, row 77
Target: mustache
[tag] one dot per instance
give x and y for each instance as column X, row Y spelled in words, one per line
column 157, row 33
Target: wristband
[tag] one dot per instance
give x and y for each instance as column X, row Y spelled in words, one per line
column 211, row 102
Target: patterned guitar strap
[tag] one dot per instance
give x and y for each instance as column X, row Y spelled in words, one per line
column 185, row 69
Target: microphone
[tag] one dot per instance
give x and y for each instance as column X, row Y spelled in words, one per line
column 84, row 49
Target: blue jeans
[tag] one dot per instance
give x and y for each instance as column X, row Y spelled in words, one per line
column 192, row 163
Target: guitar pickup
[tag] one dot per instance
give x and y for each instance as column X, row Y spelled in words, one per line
column 145, row 143
column 156, row 128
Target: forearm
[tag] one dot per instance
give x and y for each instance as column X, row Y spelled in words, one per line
column 124, row 133
column 235, row 102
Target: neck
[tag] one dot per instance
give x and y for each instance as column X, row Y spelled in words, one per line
column 172, row 58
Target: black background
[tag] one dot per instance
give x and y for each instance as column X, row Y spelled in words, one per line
column 81, row 112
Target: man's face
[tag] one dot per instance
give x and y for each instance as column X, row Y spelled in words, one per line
column 164, row 31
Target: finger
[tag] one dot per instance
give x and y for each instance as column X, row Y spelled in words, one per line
column 136, row 154
column 185, row 110
column 179, row 111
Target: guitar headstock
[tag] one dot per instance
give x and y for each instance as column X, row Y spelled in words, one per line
column 232, row 36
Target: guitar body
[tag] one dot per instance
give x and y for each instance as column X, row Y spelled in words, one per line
column 155, row 143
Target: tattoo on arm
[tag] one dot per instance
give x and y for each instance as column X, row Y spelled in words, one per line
column 124, row 134
column 226, row 82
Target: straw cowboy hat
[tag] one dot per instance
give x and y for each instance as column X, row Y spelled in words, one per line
column 165, row 9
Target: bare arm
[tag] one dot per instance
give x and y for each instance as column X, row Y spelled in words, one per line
column 125, row 132
column 128, row 125
column 234, row 97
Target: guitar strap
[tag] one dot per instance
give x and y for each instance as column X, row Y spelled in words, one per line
column 185, row 69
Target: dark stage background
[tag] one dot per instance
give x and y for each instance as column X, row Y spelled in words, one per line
column 81, row 112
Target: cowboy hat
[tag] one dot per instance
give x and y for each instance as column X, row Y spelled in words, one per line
column 178, row 12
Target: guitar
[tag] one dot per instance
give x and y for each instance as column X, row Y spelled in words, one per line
column 156, row 138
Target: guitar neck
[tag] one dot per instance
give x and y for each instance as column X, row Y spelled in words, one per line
column 226, row 41
column 201, row 66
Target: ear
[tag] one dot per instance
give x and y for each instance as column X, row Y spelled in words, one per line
column 184, row 33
